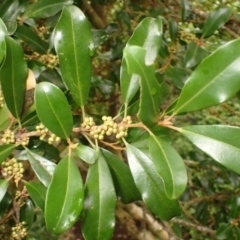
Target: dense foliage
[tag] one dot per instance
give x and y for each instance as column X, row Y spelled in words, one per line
column 110, row 108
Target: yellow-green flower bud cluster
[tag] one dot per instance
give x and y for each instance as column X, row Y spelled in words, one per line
column 23, row 141
column 88, row 123
column 8, row 137
column 45, row 133
column 13, row 168
column 19, row 231
column 1, row 100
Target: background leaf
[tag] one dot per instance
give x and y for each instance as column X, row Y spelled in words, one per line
column 42, row 167
column 215, row 80
column 73, row 43
column 14, row 84
column 150, row 185
column 5, row 121
column 100, row 202
column 53, row 109
column 3, row 188
column 218, row 141
column 64, row 198
column 27, row 212
column 5, row 151
column 3, row 33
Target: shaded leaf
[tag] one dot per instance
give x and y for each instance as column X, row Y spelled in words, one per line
column 8, row 8
column 150, row 185
column 5, row 121
column 100, row 202
column 5, row 151
column 3, row 33
column 5, row 204
column 3, row 188
column 235, row 207
column 14, row 84
column 177, row 76
column 73, row 43
column 215, row 80
column 173, row 29
column 45, row 8
column 27, row 212
column 149, row 97
column 185, row 9
column 87, row 154
column 218, row 141
column 53, row 109
column 37, row 192
column 122, row 178
column 169, row 166
column 216, row 19
column 42, row 167
column 225, row 231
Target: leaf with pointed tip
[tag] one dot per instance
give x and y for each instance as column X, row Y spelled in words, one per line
column 45, row 8
column 216, row 19
column 37, row 192
column 100, row 202
column 169, row 166
column 64, row 199
column 73, row 43
column 85, row 153
column 5, row 151
column 13, row 75
column 3, row 188
column 219, row 141
column 42, row 167
column 149, row 97
column 148, row 34
column 53, row 109
column 3, row 33
column 122, row 178
column 150, row 185
column 215, row 80
column 31, row 38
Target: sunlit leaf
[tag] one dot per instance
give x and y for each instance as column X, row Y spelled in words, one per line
column 3, row 33
column 3, row 188
column 85, row 153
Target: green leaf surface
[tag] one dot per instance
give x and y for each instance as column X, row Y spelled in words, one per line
column 64, row 200
column 100, row 202
column 42, row 167
column 3, row 33
column 185, row 9
column 5, row 121
column 13, row 75
column 53, row 109
column 215, row 80
column 122, row 178
column 87, row 154
column 169, row 166
column 31, row 38
column 37, row 192
column 178, row 76
column 149, row 97
column 3, row 188
column 235, row 207
column 5, row 204
column 148, row 34
column 27, row 212
column 8, row 8
column 225, row 231
column 73, row 43
column 5, row 151
column 216, row 19
column 219, row 141
column 194, row 55
column 173, row 30
column 150, row 185
column 45, row 8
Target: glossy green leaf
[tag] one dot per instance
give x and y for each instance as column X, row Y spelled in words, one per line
column 5, row 204
column 215, row 80
column 219, row 141
column 149, row 98
column 42, row 167
column 100, row 202
column 173, row 30
column 5, row 121
column 27, row 212
column 225, row 231
column 178, row 76
column 3, row 188
column 14, row 84
column 148, row 34
column 64, row 200
column 7, row 9
column 194, row 55
column 235, row 207
column 5, row 151
column 87, row 154
column 150, row 185
column 31, row 38
column 216, row 19
column 74, row 43
column 122, row 178
column 37, row 192
column 169, row 166
column 45, row 8
column 53, row 109
column 3, row 33
column 11, row 27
